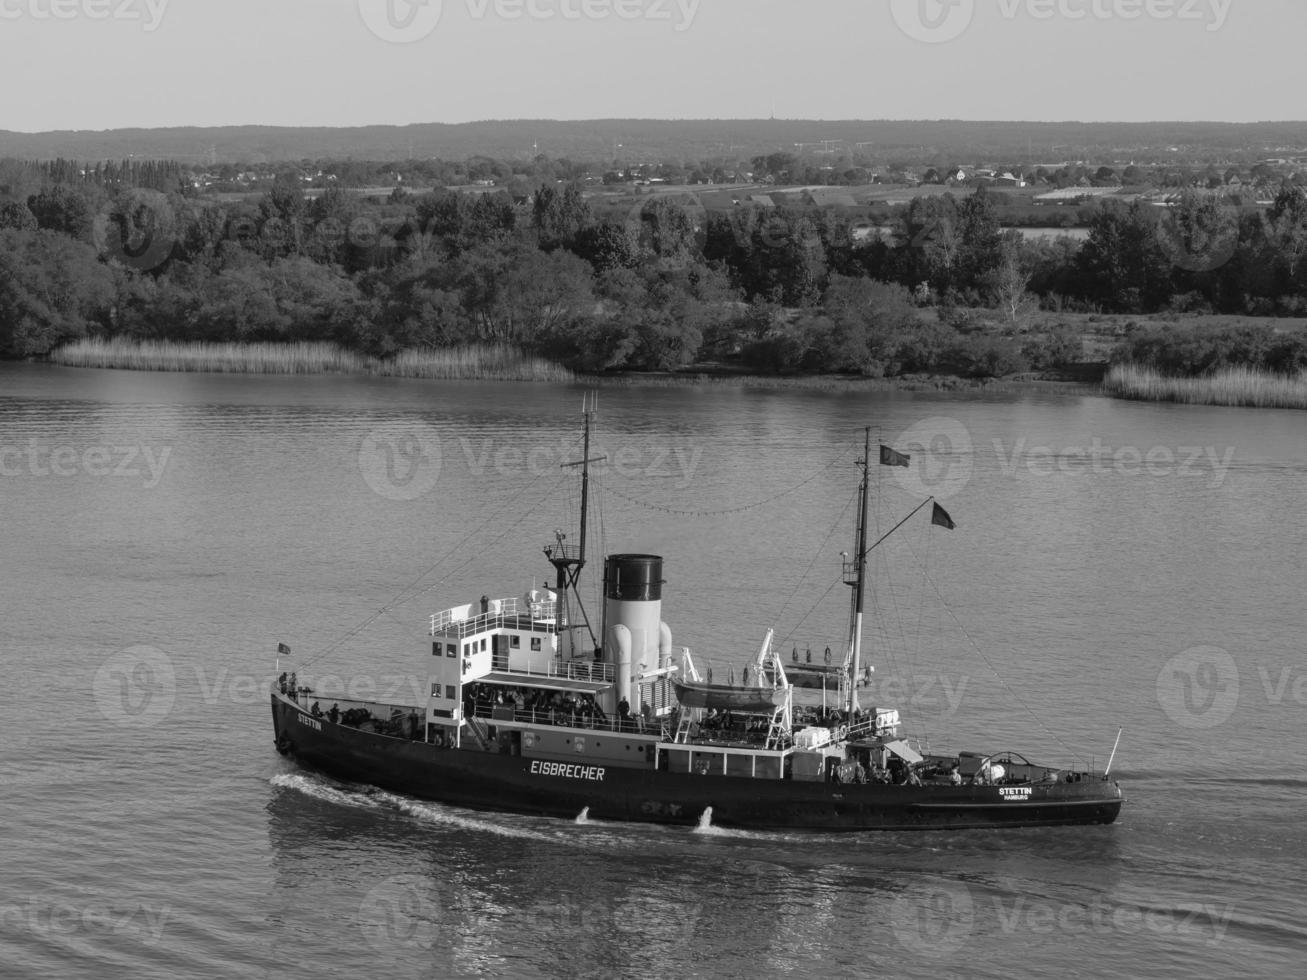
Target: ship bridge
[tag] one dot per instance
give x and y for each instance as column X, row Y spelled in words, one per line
column 535, row 613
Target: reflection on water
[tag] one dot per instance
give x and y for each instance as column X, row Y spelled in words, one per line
column 477, row 894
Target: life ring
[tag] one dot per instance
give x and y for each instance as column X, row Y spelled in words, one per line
column 284, row 745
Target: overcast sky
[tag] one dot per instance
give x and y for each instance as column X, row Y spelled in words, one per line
column 103, row 64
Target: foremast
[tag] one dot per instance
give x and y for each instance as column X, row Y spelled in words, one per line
column 569, row 561
column 855, row 575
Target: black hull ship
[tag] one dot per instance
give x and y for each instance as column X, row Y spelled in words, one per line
column 531, row 712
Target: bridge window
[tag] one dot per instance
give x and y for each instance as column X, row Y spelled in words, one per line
column 535, row 643
column 515, row 641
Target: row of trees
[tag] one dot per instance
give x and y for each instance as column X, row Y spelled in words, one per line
column 946, row 289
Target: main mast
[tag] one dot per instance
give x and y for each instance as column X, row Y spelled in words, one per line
column 859, row 579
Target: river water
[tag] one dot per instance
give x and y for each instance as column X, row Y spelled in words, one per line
column 1114, row 566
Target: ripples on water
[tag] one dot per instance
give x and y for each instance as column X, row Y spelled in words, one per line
column 187, row 847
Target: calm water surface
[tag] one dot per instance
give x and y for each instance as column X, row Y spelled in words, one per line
column 1115, row 566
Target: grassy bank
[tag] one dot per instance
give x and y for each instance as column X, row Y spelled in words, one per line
column 476, row 363
column 1242, row 387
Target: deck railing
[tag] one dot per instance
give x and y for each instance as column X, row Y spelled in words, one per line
column 571, row 670
column 499, row 614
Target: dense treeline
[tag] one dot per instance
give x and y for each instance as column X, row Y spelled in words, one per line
column 660, row 286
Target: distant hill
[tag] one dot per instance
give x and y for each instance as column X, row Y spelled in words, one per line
column 645, row 140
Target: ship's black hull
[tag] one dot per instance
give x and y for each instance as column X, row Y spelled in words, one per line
column 490, row 781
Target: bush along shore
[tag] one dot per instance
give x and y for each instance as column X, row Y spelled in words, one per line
column 481, row 362
column 1240, row 386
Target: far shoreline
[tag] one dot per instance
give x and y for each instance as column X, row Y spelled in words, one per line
column 1234, row 387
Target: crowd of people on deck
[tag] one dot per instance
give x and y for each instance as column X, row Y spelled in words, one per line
column 401, row 724
column 828, row 718
column 567, row 708
column 728, row 726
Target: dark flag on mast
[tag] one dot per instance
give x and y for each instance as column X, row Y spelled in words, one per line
column 888, row 457
column 940, row 516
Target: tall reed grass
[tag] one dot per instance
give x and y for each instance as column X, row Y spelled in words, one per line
column 472, row 363
column 167, row 355
column 1241, row 387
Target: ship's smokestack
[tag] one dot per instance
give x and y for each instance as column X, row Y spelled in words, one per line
column 633, row 605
